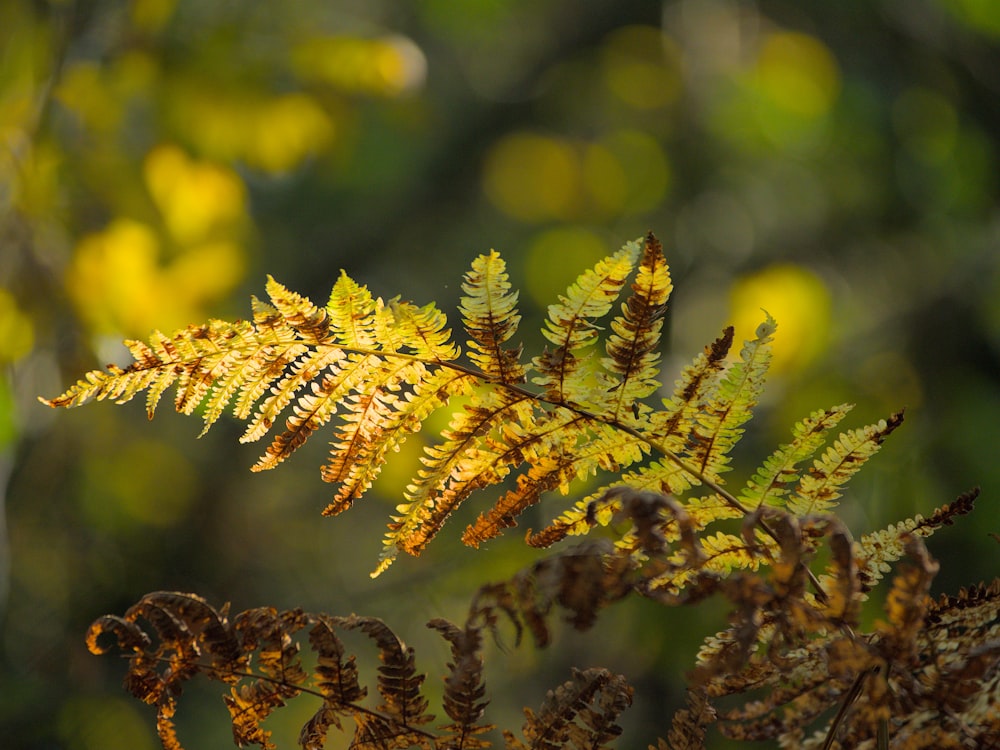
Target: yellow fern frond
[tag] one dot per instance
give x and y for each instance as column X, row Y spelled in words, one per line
column 463, row 462
column 692, row 390
column 298, row 313
column 723, row 553
column 490, row 316
column 566, row 448
column 632, row 347
column 308, row 365
column 719, row 425
column 875, row 551
column 373, row 371
column 381, row 425
column 351, row 311
column 770, row 483
column 819, row 488
column 571, row 328
column 420, row 331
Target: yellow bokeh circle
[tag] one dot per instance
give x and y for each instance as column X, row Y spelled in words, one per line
column 799, row 301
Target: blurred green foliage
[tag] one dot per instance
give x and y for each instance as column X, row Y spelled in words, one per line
column 835, row 163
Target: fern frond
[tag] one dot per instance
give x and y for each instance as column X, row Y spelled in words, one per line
column 490, row 316
column 307, row 365
column 351, row 310
column 721, row 553
column 876, row 550
column 419, row 331
column 632, row 346
column 687, row 730
column 580, row 713
column 398, row 680
column 454, row 469
column 464, row 693
column 545, row 475
column 566, row 450
column 662, row 476
column 819, row 488
column 719, row 425
column 336, row 678
column 571, row 328
column 373, row 372
column 771, row 482
column 696, row 383
column 381, row 425
column 310, row 322
column 357, row 373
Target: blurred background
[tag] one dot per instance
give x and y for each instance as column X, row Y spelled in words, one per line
column 834, row 163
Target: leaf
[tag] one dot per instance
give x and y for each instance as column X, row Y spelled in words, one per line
column 819, row 488
column 580, row 713
column 876, row 550
column 719, row 425
column 632, row 346
column 398, row 681
column 771, row 482
column 571, row 328
column 464, row 695
column 490, row 316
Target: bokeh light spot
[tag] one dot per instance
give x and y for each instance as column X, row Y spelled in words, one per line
column 121, row 285
column 798, row 73
column 145, row 482
column 193, row 197
column 17, row 332
column 641, row 66
column 605, row 180
column 152, row 15
column 84, row 91
column 286, row 131
column 981, row 15
column 98, row 723
column 384, row 66
column 532, row 177
column 800, row 303
column 926, row 123
column 112, row 276
column 646, row 169
column 206, row 271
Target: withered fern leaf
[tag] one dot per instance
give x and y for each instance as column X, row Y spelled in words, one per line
column 793, row 659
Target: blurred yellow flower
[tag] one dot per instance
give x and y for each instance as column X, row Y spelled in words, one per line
column 274, row 133
column 287, row 130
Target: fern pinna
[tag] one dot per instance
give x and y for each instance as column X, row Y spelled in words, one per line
column 380, row 369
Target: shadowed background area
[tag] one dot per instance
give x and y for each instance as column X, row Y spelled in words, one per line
column 833, row 163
